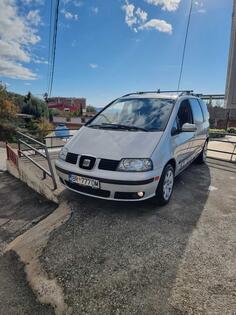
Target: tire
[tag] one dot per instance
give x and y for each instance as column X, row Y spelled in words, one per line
column 203, row 155
column 165, row 186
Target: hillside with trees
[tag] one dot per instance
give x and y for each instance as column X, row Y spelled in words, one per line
column 12, row 104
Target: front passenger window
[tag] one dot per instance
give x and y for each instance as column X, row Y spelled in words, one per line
column 185, row 114
column 175, row 128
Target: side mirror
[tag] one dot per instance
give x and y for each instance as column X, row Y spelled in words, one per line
column 188, row 127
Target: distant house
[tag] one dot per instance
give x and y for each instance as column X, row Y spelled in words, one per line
column 67, row 104
column 73, row 122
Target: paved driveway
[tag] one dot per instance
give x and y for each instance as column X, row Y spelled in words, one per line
column 3, row 157
column 135, row 258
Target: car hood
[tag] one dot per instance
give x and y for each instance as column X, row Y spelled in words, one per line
column 114, row 144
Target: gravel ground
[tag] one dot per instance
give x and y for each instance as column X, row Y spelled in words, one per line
column 16, row 298
column 135, row 258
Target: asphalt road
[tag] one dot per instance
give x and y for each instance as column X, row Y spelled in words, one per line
column 136, row 258
column 20, row 208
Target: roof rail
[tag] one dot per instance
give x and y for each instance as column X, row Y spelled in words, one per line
column 182, row 92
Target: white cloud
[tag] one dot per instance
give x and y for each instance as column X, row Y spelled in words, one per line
column 69, row 16
column 130, row 18
column 93, row 65
column 136, row 19
column 27, row 83
column 141, row 14
column 33, row 2
column 33, row 17
column 78, row 3
column 159, row 25
column 40, row 61
column 201, row 11
column 169, row 5
column 200, row 7
column 15, row 70
column 94, row 10
column 13, row 50
column 17, row 36
column 74, row 43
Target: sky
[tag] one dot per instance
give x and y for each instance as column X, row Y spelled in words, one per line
column 107, row 48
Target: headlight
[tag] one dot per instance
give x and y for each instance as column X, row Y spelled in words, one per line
column 135, row 165
column 63, row 153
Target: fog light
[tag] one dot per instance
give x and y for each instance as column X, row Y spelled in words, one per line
column 140, row 194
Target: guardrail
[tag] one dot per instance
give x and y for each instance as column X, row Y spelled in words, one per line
column 221, row 140
column 41, row 149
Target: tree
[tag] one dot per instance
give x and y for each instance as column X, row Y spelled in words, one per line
column 8, row 110
column 8, row 113
column 91, row 109
column 35, row 106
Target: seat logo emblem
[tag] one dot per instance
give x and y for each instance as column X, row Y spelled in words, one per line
column 86, row 162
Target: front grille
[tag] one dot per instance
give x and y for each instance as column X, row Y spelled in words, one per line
column 87, row 162
column 88, row 190
column 126, row 195
column 108, row 165
column 71, row 158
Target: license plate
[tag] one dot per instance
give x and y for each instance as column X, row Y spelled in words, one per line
column 84, row 181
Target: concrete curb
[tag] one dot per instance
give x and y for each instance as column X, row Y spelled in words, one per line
column 29, row 246
column 26, row 175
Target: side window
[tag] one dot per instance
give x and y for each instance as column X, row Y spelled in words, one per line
column 204, row 109
column 184, row 114
column 197, row 111
column 175, row 128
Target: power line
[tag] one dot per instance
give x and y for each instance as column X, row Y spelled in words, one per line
column 185, row 44
column 50, row 44
column 54, row 45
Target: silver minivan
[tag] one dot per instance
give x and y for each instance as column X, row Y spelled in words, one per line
column 135, row 147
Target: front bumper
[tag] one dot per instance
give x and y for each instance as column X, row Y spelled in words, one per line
column 118, row 186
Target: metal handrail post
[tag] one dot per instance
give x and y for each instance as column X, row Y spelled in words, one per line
column 50, row 168
column 19, row 149
column 233, row 153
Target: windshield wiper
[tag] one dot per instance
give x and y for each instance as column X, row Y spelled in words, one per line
column 95, row 126
column 125, row 127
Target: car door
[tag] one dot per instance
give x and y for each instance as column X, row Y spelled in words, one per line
column 181, row 141
column 199, row 138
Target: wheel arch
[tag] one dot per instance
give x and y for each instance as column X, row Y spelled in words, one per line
column 172, row 162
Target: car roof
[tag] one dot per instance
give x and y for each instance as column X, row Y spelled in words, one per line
column 151, row 95
column 174, row 95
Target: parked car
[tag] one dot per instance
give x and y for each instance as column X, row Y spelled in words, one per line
column 136, row 146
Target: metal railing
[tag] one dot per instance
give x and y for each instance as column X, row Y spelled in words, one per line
column 232, row 153
column 49, row 140
column 40, row 149
column 11, row 155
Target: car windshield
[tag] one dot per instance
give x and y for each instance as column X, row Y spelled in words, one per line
column 144, row 114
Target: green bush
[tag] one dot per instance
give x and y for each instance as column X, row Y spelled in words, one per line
column 7, row 132
column 217, row 133
column 231, row 130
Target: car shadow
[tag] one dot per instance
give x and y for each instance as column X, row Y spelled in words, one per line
column 124, row 256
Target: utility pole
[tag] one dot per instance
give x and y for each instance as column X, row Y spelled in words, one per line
column 230, row 93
